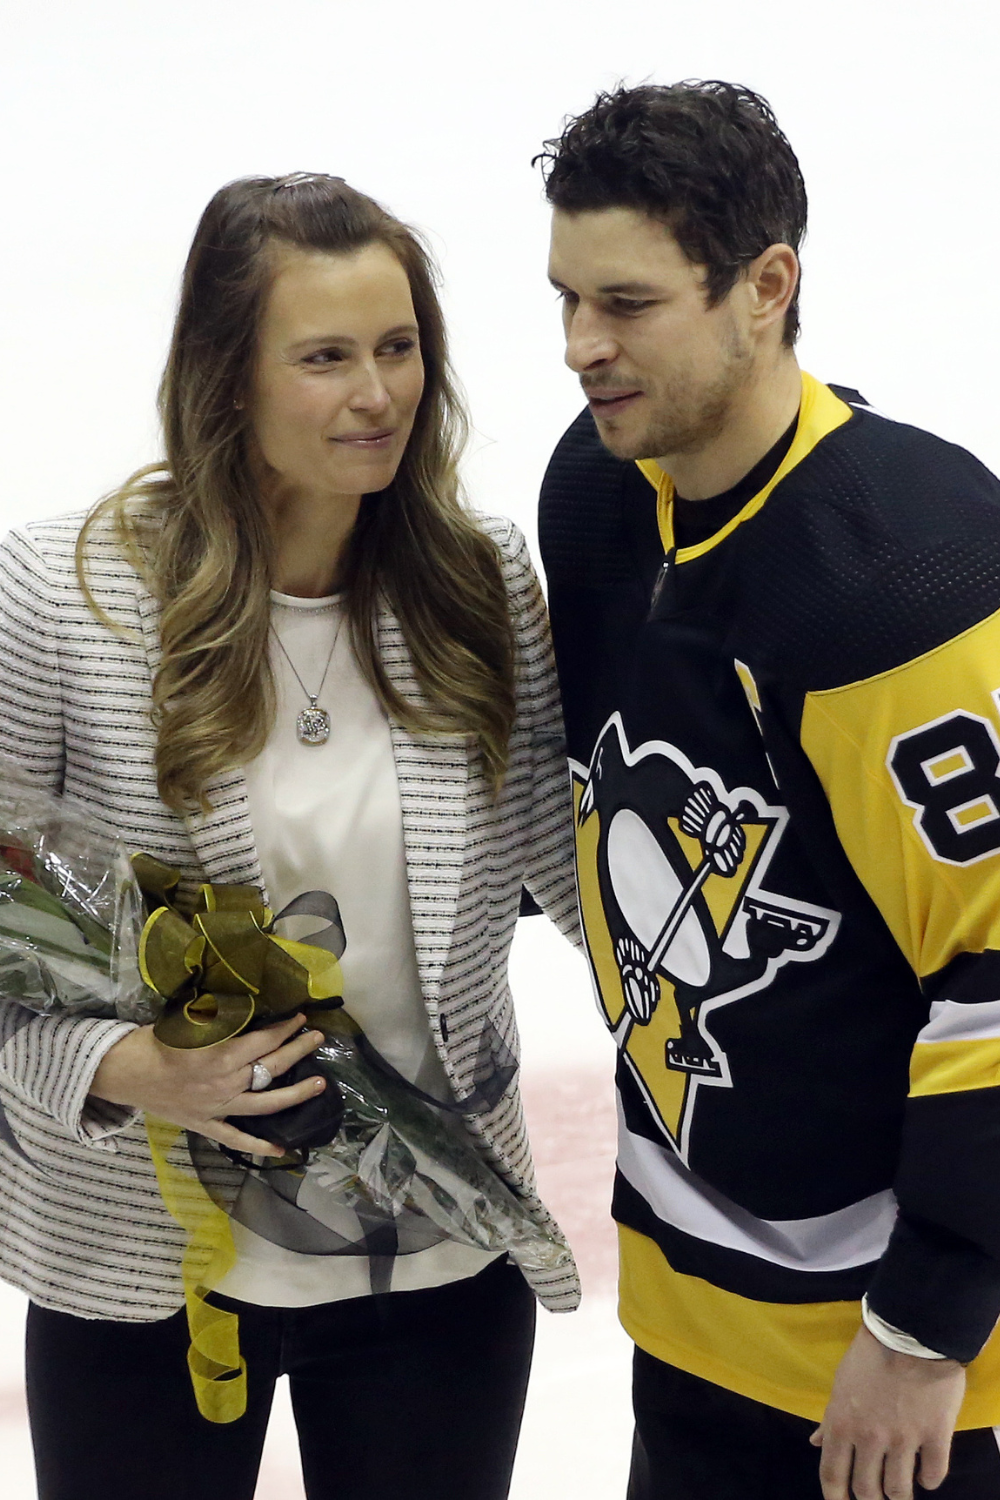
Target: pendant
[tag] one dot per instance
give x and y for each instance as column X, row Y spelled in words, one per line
column 313, row 725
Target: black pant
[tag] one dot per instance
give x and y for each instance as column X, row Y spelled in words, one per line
column 406, row 1396
column 696, row 1441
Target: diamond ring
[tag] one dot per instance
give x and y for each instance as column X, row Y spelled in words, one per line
column 260, row 1078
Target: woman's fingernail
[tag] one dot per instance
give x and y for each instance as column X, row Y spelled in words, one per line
column 319, row 1085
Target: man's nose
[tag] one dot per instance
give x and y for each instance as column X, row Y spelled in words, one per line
column 589, row 341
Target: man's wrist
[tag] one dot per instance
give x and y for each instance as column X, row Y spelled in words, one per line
column 895, row 1338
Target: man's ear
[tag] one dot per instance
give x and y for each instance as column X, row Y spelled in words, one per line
column 771, row 281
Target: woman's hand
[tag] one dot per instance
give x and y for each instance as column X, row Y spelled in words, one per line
column 195, row 1087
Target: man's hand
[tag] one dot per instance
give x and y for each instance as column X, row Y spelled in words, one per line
column 196, row 1087
column 886, row 1413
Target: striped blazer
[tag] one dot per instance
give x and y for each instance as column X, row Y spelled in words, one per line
column 82, row 1226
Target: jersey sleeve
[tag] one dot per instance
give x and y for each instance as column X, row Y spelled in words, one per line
column 909, row 761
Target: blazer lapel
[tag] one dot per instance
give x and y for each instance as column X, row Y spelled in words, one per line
column 223, row 838
column 433, row 771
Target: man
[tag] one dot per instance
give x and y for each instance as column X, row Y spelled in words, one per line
column 777, row 624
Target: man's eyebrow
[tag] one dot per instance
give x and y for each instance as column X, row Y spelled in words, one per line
column 629, row 289
column 619, row 288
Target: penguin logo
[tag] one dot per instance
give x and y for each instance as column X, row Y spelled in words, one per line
column 676, row 918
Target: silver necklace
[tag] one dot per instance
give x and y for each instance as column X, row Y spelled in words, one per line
column 313, row 724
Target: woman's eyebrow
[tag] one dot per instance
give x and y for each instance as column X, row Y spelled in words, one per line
column 345, row 338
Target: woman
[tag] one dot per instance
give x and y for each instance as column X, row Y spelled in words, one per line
column 285, row 657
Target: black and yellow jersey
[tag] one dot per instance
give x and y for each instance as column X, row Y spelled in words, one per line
column 785, row 747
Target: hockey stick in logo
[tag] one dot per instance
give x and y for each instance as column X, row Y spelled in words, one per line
column 723, row 844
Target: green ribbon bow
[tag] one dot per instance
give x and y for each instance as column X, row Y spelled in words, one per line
column 223, row 968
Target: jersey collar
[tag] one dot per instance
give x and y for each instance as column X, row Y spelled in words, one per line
column 820, row 413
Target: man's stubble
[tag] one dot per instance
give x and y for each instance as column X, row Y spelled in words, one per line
column 691, row 415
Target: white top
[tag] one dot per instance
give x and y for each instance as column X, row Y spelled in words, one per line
column 327, row 817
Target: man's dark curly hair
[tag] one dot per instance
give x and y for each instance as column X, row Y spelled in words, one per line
column 707, row 158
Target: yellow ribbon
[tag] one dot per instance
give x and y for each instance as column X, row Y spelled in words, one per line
column 219, row 969
column 218, row 1370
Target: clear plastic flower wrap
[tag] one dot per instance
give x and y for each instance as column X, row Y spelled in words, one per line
column 81, row 935
column 70, row 910
column 401, row 1174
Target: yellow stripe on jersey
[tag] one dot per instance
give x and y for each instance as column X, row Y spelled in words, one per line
column 750, row 687
column 955, row 1066
column 820, row 413
column 909, row 761
column 783, row 1354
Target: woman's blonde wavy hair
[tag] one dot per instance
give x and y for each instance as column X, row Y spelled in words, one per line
column 195, row 529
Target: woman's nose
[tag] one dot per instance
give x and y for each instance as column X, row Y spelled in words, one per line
column 370, row 393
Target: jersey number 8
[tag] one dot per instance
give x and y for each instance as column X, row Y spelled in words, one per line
column 948, row 771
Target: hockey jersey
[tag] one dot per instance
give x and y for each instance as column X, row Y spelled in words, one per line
column 785, row 750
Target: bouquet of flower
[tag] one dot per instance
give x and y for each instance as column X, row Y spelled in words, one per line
column 70, row 910
column 386, row 1170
